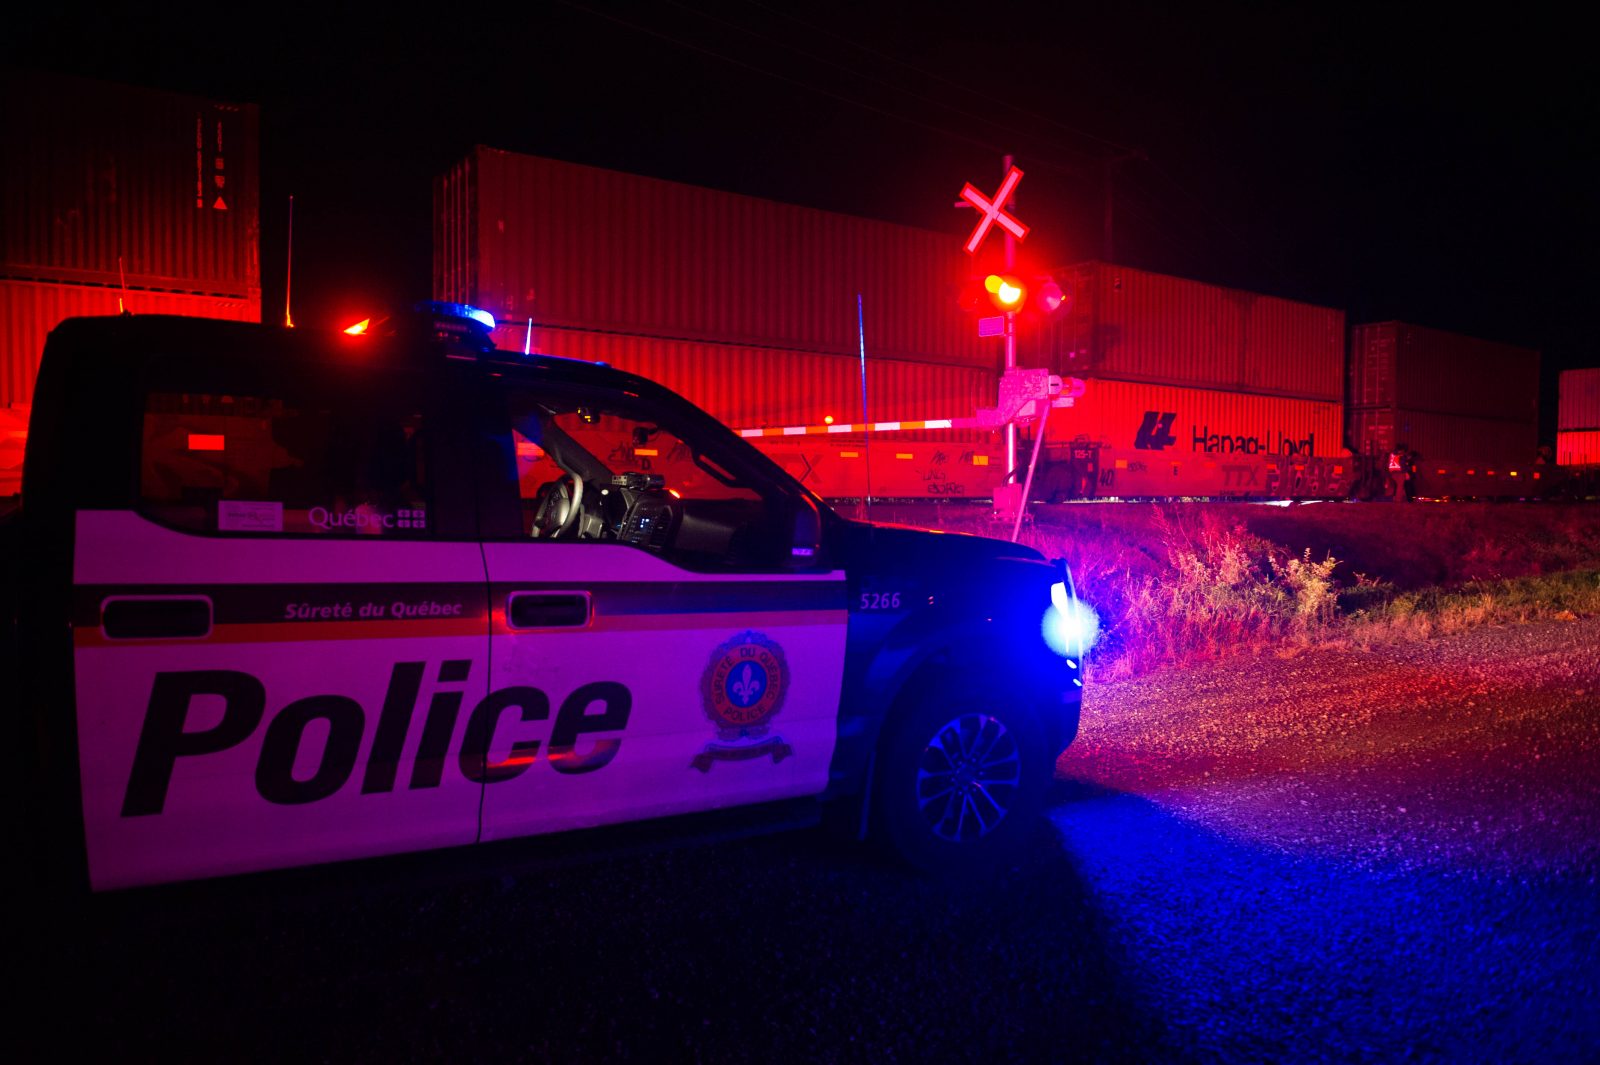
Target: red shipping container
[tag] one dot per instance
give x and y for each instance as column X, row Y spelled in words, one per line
column 1133, row 325
column 1578, row 448
column 1413, row 368
column 98, row 174
column 1176, row 424
column 29, row 310
column 13, row 441
column 578, row 247
column 1580, row 401
column 1445, row 439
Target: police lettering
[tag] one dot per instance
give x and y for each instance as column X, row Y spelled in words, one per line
column 338, row 724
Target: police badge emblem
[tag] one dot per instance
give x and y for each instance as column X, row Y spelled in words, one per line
column 742, row 690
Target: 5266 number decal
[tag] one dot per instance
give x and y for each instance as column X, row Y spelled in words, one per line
column 879, row 601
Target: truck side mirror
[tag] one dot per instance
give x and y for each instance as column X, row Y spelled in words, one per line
column 805, row 551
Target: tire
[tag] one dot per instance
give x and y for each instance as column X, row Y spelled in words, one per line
column 961, row 782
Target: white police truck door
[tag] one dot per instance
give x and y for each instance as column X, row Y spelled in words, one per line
column 654, row 649
column 276, row 651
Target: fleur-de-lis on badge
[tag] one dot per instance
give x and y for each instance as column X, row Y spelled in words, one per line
column 745, row 689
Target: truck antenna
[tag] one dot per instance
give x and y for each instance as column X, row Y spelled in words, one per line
column 866, row 442
column 288, row 269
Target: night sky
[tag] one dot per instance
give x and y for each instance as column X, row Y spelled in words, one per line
column 1434, row 169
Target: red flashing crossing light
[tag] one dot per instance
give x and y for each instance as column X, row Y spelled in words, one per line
column 1034, row 296
column 970, row 295
column 1051, row 298
column 1006, row 292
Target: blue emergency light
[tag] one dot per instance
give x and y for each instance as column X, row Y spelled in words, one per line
column 444, row 309
column 1070, row 626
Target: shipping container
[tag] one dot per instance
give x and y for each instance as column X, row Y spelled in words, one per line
column 1579, row 409
column 1194, row 424
column 578, row 247
column 1578, row 447
column 1459, row 456
column 29, row 310
column 1133, row 325
column 1444, row 436
column 13, row 442
column 1409, row 367
column 751, row 387
column 109, row 184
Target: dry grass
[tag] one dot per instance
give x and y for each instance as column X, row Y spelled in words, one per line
column 1177, row 584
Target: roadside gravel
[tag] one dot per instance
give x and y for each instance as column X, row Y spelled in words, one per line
column 1356, row 855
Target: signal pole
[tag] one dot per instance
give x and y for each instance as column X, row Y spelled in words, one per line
column 1011, row 336
column 1008, row 292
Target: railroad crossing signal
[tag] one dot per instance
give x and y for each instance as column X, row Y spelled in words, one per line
column 993, row 211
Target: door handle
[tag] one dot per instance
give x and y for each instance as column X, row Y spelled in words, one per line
column 548, row 610
column 164, row 617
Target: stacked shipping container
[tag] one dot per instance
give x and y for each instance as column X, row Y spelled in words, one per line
column 1133, row 325
column 1578, row 419
column 595, row 250
column 1192, row 387
column 109, row 187
column 1469, row 407
column 748, row 307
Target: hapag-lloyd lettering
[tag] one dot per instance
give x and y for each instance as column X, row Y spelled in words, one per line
column 1273, row 443
column 164, row 738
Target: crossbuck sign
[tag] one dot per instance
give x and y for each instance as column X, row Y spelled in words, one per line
column 993, row 211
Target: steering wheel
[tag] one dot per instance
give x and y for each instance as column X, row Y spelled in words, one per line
column 574, row 506
column 559, row 506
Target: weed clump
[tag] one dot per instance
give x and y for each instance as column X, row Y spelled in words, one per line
column 1219, row 589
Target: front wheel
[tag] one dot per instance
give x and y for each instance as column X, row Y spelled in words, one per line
column 962, row 782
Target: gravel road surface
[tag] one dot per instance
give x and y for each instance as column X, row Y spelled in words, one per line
column 1381, row 855
column 1347, row 855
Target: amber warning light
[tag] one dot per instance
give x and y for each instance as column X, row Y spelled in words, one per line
column 1005, row 292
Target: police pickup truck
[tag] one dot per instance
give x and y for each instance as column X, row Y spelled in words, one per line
column 287, row 598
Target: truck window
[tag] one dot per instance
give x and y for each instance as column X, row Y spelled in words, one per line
column 328, row 465
column 602, row 469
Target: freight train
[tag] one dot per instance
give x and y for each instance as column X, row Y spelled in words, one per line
column 759, row 312
column 1195, row 391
